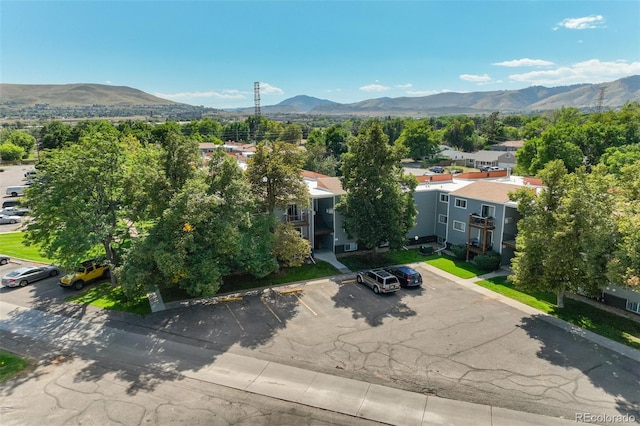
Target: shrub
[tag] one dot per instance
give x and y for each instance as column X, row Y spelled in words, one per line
column 10, row 152
column 489, row 261
column 459, row 251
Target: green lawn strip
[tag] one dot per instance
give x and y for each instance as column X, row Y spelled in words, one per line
column 609, row 325
column 11, row 365
column 105, row 296
column 397, row 257
column 459, row 268
column 241, row 282
column 11, row 244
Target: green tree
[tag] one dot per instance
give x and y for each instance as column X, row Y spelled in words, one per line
column 624, row 267
column 319, row 160
column 493, row 129
column 336, row 138
column 10, row 152
column 20, row 138
column 379, row 205
column 289, row 248
column 291, row 134
column 79, row 202
column 571, row 215
column 461, row 134
column 418, row 137
column 275, row 174
column 55, row 134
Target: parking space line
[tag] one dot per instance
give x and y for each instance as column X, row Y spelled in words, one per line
column 270, row 310
column 234, row 317
column 307, row 306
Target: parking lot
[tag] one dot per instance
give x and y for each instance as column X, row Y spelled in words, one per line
column 11, row 176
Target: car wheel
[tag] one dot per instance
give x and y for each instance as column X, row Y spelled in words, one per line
column 53, row 273
column 4, row 262
column 23, row 283
column 359, row 279
column 12, row 221
column 376, row 289
column 78, row 285
column 14, row 194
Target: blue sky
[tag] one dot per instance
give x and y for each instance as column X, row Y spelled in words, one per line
column 211, row 52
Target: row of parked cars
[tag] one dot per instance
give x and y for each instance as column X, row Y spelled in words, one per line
column 388, row 280
column 88, row 272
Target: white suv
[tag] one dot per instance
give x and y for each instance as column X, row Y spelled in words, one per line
column 379, row 280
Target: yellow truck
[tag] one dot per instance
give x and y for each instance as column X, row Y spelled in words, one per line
column 89, row 271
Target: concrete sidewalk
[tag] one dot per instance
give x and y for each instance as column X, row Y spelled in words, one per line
column 338, row 394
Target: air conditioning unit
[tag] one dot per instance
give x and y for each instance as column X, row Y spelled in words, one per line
column 329, row 211
column 508, row 219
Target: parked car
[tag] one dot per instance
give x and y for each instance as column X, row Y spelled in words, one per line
column 379, row 280
column 30, row 174
column 407, row 276
column 10, row 203
column 29, row 274
column 437, row 169
column 15, row 191
column 9, row 219
column 14, row 211
column 88, row 271
column 4, row 259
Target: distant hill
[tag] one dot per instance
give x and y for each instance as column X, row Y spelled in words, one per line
column 297, row 104
column 68, row 95
column 531, row 99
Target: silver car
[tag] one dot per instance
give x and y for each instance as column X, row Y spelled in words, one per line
column 28, row 274
column 9, row 219
column 4, row 259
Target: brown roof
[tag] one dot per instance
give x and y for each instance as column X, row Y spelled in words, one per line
column 312, row 175
column 332, row 184
column 494, row 192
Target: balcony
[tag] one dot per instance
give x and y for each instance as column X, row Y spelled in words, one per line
column 478, row 221
column 297, row 219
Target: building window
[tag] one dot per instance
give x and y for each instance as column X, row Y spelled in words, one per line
column 459, row 226
column 461, row 203
column 633, row 306
column 351, row 247
column 442, row 218
column 444, row 198
column 293, row 213
column 488, row 211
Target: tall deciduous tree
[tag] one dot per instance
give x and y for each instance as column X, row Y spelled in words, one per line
column 55, row 134
column 81, row 199
column 378, row 206
column 20, row 138
column 565, row 234
column 275, row 174
column 419, row 139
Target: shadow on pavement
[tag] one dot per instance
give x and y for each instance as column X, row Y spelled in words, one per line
column 620, row 378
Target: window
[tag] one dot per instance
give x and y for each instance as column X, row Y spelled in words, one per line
column 351, row 247
column 444, row 198
column 459, row 226
column 442, row 218
column 633, row 306
column 488, row 211
column 293, row 213
column 461, row 203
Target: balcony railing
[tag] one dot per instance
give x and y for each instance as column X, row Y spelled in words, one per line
column 478, row 221
column 296, row 218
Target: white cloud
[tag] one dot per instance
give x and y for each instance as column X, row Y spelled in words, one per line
column 404, row 86
column 108, row 82
column 267, row 89
column 591, row 71
column 584, row 23
column 224, row 94
column 481, row 79
column 374, row 88
column 524, row 62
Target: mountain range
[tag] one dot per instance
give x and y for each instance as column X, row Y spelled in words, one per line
column 530, row 100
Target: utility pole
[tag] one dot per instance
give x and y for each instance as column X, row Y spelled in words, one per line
column 256, row 98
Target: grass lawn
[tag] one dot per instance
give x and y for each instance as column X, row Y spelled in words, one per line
column 589, row 317
column 11, row 244
column 10, row 365
column 103, row 295
column 459, row 268
column 363, row 261
column 235, row 283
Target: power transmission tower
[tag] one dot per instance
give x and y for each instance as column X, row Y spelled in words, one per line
column 603, row 89
column 256, row 98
